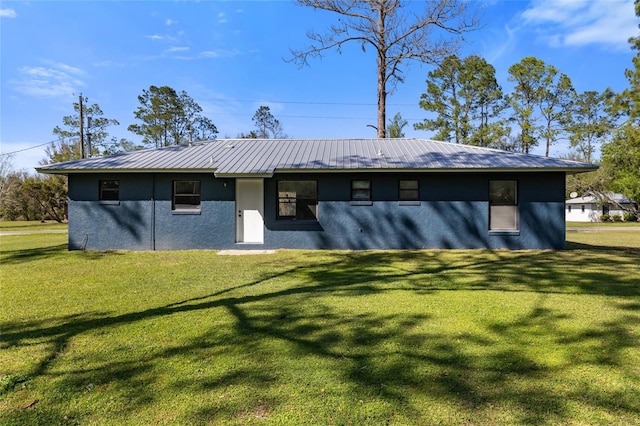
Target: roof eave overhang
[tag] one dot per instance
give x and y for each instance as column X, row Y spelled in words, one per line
column 568, row 170
column 243, row 175
column 123, row 170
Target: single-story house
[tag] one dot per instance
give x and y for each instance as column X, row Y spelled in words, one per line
column 317, row 194
column 590, row 208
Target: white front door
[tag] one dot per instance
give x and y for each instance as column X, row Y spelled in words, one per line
column 250, row 211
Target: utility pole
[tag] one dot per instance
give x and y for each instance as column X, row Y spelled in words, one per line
column 82, row 152
column 89, row 137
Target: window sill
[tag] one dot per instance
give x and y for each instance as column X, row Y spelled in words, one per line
column 408, row 203
column 361, row 203
column 186, row 212
column 504, row 232
column 109, row 202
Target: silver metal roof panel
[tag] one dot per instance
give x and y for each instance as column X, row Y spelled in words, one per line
column 237, row 157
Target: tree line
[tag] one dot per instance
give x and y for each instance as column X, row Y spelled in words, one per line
column 471, row 108
column 463, row 96
column 165, row 117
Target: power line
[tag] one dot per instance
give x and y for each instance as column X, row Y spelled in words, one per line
column 305, row 102
column 32, row 147
column 306, row 116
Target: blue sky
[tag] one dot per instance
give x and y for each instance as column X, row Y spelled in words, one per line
column 229, row 57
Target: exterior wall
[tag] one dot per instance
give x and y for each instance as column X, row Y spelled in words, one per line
column 453, row 212
column 97, row 225
column 591, row 213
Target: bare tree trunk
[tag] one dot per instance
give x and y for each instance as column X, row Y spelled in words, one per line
column 397, row 33
column 382, row 72
column 382, row 103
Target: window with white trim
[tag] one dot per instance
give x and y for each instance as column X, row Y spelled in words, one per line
column 503, row 205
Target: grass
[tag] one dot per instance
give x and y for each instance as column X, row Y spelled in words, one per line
column 28, row 226
column 603, row 225
column 321, row 337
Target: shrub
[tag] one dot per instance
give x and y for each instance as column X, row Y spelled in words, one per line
column 605, row 218
column 630, row 217
column 616, row 218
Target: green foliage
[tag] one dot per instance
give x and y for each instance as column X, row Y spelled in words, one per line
column 467, row 99
column 627, row 103
column 621, row 159
column 62, row 150
column 68, row 146
column 555, row 106
column 396, row 124
column 321, row 337
column 587, row 183
column 251, row 135
column 267, row 126
column 589, row 122
column 539, row 101
column 29, row 197
column 14, row 205
column 170, row 118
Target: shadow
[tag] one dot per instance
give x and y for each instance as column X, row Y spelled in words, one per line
column 396, row 356
column 10, row 257
column 571, row 245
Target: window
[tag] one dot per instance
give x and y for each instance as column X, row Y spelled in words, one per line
column 109, row 190
column 582, row 208
column 569, row 208
column 503, row 205
column 297, row 199
column 408, row 190
column 186, row 195
column 360, row 190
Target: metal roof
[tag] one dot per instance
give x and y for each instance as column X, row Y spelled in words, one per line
column 602, row 198
column 263, row 157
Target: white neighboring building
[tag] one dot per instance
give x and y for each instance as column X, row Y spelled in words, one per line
column 590, row 208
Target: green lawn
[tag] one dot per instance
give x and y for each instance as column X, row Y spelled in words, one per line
column 321, row 337
column 603, row 225
column 29, row 226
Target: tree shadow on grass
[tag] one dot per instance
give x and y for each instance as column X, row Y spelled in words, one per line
column 390, row 358
column 11, row 257
column 15, row 257
column 572, row 245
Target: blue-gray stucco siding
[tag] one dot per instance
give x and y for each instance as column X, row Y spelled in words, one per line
column 452, row 212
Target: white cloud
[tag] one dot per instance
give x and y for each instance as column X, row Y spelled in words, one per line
column 221, row 53
column 222, row 18
column 170, row 22
column 155, row 37
column 177, row 49
column 106, row 63
column 8, row 13
column 57, row 79
column 582, row 22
